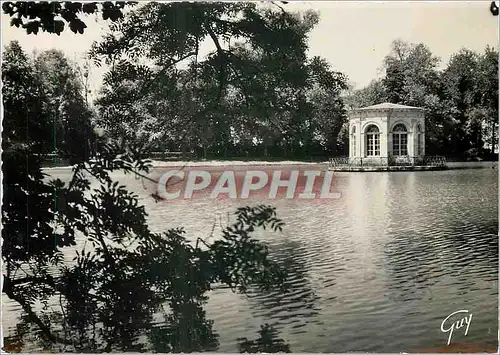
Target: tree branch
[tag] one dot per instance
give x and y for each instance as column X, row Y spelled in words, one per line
column 222, row 58
column 33, row 317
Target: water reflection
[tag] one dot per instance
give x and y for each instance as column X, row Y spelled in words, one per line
column 377, row 270
column 298, row 304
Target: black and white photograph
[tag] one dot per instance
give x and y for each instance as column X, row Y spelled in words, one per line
column 250, row 177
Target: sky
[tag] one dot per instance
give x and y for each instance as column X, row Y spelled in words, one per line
column 353, row 36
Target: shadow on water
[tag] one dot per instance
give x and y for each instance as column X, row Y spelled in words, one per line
column 297, row 304
column 187, row 332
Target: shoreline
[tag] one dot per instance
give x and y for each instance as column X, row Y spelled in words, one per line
column 408, row 168
column 229, row 163
column 214, row 163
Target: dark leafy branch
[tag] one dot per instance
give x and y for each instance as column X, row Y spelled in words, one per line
column 123, row 274
column 52, row 17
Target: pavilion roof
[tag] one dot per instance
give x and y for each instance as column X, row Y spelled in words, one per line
column 388, row 105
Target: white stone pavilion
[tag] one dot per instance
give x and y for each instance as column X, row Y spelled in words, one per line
column 385, row 133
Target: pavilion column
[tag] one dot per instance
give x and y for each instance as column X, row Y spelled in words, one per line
column 357, row 134
column 362, row 143
column 384, row 139
column 389, row 144
column 359, row 139
column 352, row 148
column 411, row 143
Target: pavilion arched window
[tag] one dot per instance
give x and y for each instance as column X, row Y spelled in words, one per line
column 353, row 140
column 372, row 134
column 419, row 140
column 399, row 140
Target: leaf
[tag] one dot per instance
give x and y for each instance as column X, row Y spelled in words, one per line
column 15, row 21
column 89, row 8
column 58, row 27
column 32, row 27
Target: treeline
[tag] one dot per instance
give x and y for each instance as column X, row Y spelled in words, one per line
column 256, row 96
column 45, row 107
column 461, row 99
column 267, row 100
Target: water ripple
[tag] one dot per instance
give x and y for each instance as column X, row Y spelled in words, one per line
column 375, row 271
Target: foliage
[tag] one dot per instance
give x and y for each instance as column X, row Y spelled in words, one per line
column 123, row 274
column 372, row 94
column 487, row 85
column 51, row 16
column 73, row 134
column 411, row 73
column 26, row 129
column 252, row 92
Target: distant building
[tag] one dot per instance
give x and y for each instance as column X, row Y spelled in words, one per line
column 384, row 133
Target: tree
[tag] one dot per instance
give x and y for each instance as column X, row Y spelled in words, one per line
column 26, row 138
column 21, row 90
column 328, row 113
column 255, row 86
column 51, row 17
column 487, row 85
column 372, row 94
column 412, row 79
column 411, row 74
column 127, row 272
column 124, row 273
column 470, row 90
column 459, row 83
column 73, row 135
column 395, row 64
column 461, row 101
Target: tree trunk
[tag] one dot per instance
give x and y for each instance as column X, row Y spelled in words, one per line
column 183, row 150
column 493, row 138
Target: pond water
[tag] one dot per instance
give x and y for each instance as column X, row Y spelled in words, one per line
column 376, row 270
